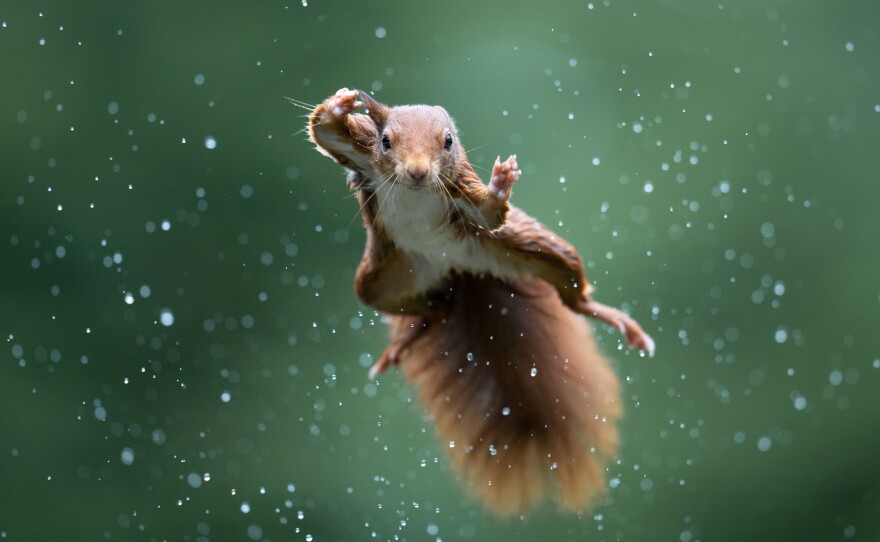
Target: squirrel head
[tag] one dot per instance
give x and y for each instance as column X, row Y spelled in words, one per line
column 416, row 145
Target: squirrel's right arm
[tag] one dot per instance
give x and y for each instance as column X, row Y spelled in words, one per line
column 385, row 278
column 347, row 139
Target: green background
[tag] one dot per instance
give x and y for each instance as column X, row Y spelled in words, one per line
column 184, row 356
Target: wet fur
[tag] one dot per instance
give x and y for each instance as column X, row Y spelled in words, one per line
column 468, row 334
column 475, row 358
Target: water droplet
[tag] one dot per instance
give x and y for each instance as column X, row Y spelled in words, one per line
column 781, row 335
column 835, row 378
column 166, row 317
column 194, row 480
column 127, row 456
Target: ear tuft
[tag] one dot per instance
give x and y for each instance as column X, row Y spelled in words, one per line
column 378, row 112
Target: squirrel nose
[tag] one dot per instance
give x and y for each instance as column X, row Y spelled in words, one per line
column 417, row 173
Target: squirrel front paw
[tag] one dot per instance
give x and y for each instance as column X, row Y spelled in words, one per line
column 342, row 103
column 504, row 174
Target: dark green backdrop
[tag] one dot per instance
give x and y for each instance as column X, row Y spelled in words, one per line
column 184, row 357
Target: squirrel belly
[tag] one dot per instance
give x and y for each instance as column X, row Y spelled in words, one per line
column 417, row 222
column 518, row 391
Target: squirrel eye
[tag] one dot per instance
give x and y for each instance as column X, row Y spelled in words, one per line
column 448, row 143
column 386, row 144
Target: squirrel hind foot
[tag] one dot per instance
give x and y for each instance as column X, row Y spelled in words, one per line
column 624, row 323
column 404, row 331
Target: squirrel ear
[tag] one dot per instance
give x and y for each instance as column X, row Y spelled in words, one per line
column 378, row 112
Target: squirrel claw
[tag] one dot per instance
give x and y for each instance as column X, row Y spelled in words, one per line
column 504, row 174
column 378, row 368
column 649, row 346
column 641, row 340
column 343, row 102
column 390, row 357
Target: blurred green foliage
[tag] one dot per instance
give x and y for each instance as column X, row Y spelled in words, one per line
column 185, row 358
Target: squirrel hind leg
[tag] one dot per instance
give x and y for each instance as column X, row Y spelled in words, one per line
column 635, row 335
column 404, row 330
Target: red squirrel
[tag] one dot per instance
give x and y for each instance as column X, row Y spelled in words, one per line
column 483, row 304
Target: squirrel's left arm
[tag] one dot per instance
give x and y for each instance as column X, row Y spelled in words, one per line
column 553, row 259
column 518, row 241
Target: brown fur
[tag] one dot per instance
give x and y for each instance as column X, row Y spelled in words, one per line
column 471, row 342
column 475, row 359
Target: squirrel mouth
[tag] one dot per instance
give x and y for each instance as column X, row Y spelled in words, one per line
column 414, row 184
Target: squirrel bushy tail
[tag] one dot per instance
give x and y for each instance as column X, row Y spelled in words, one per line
column 522, row 399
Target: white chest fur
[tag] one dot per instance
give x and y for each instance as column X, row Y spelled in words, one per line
column 417, row 222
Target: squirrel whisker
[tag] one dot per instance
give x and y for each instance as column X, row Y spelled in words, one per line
column 300, row 103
